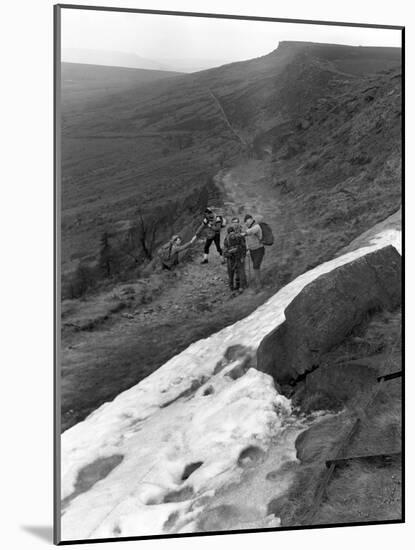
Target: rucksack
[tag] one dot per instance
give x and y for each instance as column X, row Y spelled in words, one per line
column 234, row 248
column 218, row 223
column 267, row 236
column 220, row 219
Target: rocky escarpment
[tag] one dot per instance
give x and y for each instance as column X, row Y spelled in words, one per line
column 327, row 310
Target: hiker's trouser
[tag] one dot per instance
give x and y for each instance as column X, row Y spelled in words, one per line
column 210, row 240
column 257, row 255
column 236, row 273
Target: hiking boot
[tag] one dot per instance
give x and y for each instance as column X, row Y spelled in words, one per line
column 204, row 261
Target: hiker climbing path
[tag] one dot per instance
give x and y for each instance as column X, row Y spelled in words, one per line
column 192, row 288
column 195, row 287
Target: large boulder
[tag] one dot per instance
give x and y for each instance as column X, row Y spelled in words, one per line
column 326, row 311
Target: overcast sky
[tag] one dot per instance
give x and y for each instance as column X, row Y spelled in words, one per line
column 163, row 37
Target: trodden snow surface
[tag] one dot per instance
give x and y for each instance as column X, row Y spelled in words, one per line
column 122, row 468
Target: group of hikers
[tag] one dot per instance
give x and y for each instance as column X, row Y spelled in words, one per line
column 239, row 241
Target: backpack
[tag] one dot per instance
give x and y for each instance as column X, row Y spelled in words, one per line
column 267, row 236
column 235, row 247
column 220, row 219
column 218, row 223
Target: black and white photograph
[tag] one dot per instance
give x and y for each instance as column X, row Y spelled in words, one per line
column 228, row 204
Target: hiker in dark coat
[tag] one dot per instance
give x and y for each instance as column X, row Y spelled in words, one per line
column 234, row 250
column 253, row 234
column 169, row 253
column 236, row 224
column 211, row 226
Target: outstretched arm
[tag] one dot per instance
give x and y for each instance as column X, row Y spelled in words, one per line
column 201, row 227
column 182, row 247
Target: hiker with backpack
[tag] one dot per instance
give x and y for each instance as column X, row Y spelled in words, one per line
column 211, row 226
column 257, row 235
column 234, row 250
column 169, row 253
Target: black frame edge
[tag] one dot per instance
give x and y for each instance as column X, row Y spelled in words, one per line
column 56, row 275
column 403, row 334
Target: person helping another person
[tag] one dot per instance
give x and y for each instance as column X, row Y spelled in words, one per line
column 169, row 253
column 211, row 226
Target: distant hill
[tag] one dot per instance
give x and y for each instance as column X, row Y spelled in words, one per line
column 82, row 82
column 192, row 64
column 110, row 59
column 326, row 118
column 134, row 61
column 362, row 60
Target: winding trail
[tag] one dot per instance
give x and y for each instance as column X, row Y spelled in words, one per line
column 248, row 190
column 226, row 119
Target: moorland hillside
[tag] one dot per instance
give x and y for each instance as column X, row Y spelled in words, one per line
column 83, row 84
column 325, row 117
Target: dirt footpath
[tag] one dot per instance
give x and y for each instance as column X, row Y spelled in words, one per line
column 248, row 190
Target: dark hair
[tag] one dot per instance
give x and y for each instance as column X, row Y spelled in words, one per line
column 248, row 217
column 231, row 229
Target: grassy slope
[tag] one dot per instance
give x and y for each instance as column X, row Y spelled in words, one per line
column 335, row 158
column 86, row 82
column 135, row 149
column 345, row 178
column 156, row 141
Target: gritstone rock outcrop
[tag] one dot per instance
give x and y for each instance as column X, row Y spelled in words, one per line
column 326, row 310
